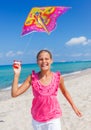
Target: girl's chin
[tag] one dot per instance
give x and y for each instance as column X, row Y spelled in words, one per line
column 44, row 68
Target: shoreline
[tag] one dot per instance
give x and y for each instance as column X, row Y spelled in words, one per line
column 73, row 75
column 64, row 75
column 18, row 109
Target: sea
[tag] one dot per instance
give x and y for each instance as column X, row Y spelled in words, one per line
column 66, row 68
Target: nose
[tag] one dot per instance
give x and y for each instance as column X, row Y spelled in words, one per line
column 43, row 60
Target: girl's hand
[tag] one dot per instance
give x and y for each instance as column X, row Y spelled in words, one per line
column 78, row 113
column 17, row 67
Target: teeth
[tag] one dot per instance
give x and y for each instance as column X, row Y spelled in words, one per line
column 44, row 65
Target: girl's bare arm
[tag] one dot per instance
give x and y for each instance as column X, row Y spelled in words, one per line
column 68, row 96
column 16, row 90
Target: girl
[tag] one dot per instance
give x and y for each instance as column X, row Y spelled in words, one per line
column 46, row 111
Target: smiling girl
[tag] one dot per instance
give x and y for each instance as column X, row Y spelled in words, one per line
column 45, row 110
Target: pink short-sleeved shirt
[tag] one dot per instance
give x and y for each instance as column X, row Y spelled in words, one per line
column 45, row 105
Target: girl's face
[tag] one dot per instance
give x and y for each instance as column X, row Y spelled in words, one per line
column 44, row 61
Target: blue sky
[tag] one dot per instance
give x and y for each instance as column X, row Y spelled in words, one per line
column 70, row 41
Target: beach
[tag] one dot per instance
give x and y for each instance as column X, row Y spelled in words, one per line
column 15, row 113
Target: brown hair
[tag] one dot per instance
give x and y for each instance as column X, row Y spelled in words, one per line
column 44, row 51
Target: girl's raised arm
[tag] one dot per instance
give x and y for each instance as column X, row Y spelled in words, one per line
column 16, row 90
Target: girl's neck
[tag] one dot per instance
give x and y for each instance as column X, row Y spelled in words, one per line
column 45, row 73
column 45, row 78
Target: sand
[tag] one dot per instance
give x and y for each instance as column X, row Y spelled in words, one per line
column 15, row 112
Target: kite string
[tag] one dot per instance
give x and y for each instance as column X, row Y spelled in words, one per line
column 27, row 45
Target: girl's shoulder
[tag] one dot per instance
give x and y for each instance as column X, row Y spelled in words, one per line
column 34, row 75
column 57, row 73
column 59, row 76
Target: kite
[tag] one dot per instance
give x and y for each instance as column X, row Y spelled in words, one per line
column 43, row 19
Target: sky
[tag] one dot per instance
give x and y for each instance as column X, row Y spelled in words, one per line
column 70, row 41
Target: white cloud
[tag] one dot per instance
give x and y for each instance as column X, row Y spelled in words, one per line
column 19, row 53
column 10, row 54
column 78, row 40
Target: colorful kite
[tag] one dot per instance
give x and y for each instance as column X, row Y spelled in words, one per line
column 43, row 19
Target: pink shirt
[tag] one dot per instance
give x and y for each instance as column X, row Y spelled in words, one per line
column 45, row 105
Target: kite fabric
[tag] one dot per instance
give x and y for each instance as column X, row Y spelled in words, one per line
column 43, row 19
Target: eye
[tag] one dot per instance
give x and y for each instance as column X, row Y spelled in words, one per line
column 46, row 58
column 40, row 59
